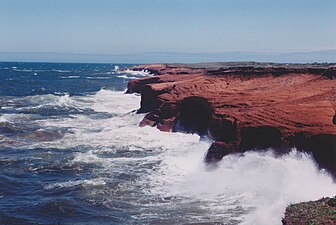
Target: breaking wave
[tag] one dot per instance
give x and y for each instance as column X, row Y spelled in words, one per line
column 249, row 188
column 144, row 73
column 84, row 159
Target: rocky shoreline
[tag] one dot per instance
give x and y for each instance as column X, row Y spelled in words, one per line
column 245, row 106
column 320, row 212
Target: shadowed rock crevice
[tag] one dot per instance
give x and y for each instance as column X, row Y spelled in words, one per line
column 223, row 128
column 195, row 114
column 259, row 137
column 149, row 100
column 218, row 150
column 322, row 147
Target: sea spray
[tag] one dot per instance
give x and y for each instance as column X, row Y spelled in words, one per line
column 75, row 153
column 261, row 183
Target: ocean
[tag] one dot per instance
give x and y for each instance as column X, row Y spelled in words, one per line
column 71, row 152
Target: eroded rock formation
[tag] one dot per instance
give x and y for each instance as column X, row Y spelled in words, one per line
column 245, row 106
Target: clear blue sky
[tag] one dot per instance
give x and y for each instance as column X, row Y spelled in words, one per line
column 185, row 26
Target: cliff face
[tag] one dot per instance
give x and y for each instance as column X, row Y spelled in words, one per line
column 244, row 107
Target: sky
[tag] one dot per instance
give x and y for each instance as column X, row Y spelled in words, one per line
column 112, row 28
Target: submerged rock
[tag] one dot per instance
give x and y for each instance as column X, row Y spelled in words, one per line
column 244, row 106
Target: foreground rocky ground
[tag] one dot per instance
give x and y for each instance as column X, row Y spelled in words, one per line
column 321, row 212
column 245, row 106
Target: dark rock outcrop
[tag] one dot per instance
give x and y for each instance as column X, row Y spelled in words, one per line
column 245, row 106
column 321, row 212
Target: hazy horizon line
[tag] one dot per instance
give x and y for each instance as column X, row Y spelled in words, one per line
column 321, row 56
column 169, row 52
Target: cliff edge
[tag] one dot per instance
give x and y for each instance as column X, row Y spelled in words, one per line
column 245, row 106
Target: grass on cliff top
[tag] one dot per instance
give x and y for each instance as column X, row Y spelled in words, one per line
column 318, row 212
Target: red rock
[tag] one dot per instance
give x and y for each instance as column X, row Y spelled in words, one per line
column 246, row 107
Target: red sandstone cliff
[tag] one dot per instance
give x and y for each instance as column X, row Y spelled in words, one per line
column 245, row 107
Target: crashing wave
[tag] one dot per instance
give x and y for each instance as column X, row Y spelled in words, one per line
column 142, row 73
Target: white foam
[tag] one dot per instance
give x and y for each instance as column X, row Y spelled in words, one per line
column 259, row 184
column 97, row 78
column 61, row 71
column 12, row 118
column 3, row 119
column 143, row 73
column 22, row 70
column 43, row 99
column 70, row 77
column 67, row 184
column 126, row 77
column 114, row 101
column 48, row 100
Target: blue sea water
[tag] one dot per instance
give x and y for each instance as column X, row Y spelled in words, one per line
column 71, row 152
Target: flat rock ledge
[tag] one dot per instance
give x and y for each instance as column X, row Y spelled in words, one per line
column 321, row 212
column 245, row 106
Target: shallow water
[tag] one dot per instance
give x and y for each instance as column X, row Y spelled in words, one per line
column 71, row 152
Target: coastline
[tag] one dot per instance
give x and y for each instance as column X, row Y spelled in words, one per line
column 244, row 106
